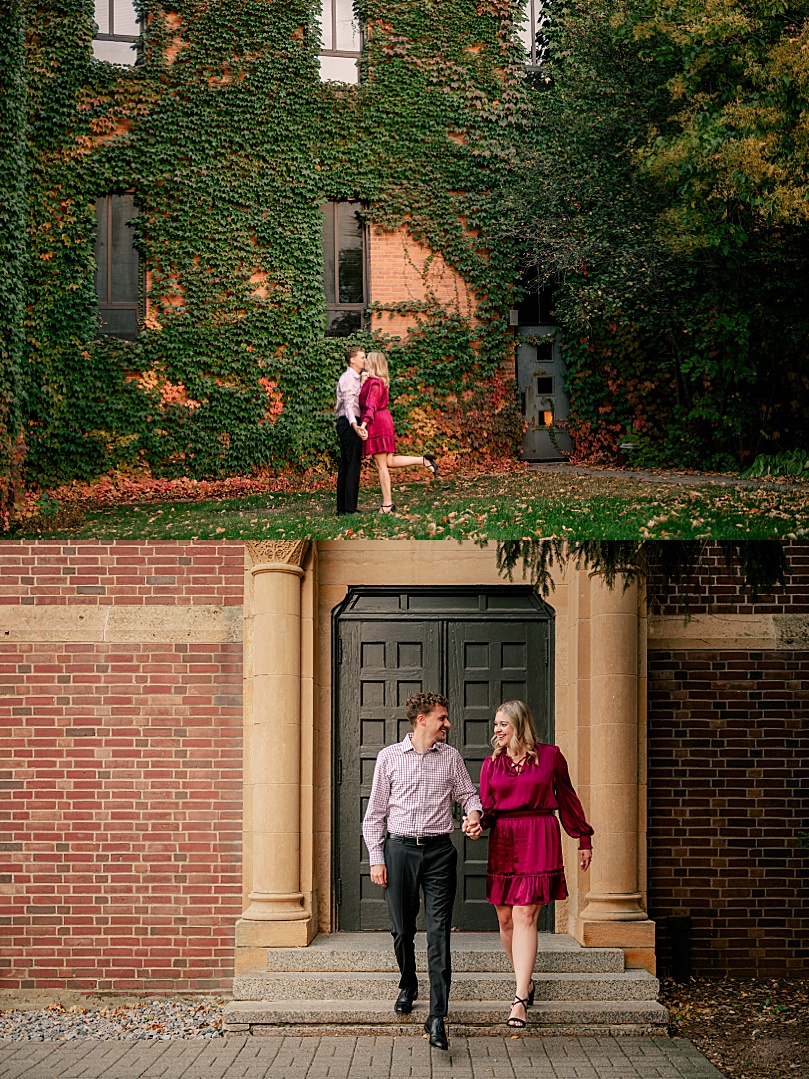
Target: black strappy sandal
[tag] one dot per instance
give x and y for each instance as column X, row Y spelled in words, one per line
column 431, row 462
column 387, row 507
column 531, row 994
column 514, row 1021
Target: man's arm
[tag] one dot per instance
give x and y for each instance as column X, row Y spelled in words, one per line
column 463, row 790
column 373, row 826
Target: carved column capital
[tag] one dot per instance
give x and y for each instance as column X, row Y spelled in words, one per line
column 278, row 552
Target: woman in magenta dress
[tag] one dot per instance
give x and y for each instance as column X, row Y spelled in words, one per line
column 521, row 785
column 378, row 422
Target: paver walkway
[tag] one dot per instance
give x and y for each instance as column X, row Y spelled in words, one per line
column 334, row 1057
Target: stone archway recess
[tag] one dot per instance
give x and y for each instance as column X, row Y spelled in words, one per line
column 600, row 678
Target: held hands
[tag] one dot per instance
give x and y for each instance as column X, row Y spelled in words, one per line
column 361, row 430
column 379, row 875
column 471, row 825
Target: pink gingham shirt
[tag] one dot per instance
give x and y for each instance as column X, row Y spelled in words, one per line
column 413, row 789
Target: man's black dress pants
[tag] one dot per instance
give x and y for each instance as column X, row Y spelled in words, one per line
column 348, row 471
column 432, row 869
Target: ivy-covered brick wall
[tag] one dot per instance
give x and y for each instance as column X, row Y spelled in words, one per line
column 231, row 142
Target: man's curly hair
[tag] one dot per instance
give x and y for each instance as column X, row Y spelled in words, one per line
column 422, row 703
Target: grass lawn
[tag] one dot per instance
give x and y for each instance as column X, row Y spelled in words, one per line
column 510, row 506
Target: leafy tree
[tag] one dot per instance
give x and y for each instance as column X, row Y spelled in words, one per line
column 664, row 195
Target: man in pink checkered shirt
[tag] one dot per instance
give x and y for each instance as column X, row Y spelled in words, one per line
column 414, row 782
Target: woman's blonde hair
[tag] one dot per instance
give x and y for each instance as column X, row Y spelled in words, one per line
column 376, row 365
column 519, row 716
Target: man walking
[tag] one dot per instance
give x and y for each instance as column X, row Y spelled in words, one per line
column 349, row 431
column 413, row 783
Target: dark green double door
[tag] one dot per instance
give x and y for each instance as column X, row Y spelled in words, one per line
column 479, row 648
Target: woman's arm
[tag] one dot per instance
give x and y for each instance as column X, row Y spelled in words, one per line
column 570, row 808
column 373, row 395
column 486, row 794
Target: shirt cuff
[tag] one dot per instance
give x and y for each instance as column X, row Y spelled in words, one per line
column 376, row 857
column 584, row 843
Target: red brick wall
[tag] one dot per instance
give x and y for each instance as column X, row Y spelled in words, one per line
column 120, row 856
column 728, row 797
column 715, row 591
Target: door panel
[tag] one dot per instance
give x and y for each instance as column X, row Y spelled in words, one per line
column 383, row 663
column 488, row 663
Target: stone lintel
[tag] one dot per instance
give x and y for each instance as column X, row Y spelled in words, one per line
column 122, row 624
column 728, row 632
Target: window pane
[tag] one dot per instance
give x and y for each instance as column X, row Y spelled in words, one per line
column 124, row 286
column 338, row 69
column 326, row 24
column 348, row 36
column 342, row 323
column 328, row 252
column 349, row 238
column 115, row 52
column 125, row 20
column 119, row 322
column 102, row 16
column 101, row 252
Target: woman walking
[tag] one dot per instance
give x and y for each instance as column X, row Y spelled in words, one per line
column 521, row 785
column 376, row 419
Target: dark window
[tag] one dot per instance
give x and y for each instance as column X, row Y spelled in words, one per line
column 345, row 267
column 342, row 41
column 117, row 269
column 531, row 34
column 118, row 31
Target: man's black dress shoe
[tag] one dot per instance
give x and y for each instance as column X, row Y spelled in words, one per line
column 404, row 1002
column 438, row 1034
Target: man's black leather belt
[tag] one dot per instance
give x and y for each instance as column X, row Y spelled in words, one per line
column 420, row 840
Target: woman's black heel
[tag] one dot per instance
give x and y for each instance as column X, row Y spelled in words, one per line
column 514, row 1021
column 387, row 507
column 431, row 463
column 531, row 993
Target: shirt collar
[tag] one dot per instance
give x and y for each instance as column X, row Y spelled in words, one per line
column 407, row 744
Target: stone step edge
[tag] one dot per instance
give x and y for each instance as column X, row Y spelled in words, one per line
column 632, row 976
column 374, row 1013
column 477, row 961
column 457, row 1030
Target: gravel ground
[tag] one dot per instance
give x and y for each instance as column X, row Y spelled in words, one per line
column 748, row 1028
column 152, row 1019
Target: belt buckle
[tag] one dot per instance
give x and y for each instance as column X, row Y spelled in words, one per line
column 421, row 840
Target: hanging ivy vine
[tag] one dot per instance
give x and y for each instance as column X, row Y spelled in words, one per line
column 231, row 143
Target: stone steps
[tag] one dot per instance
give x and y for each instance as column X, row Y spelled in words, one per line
column 483, row 1017
column 470, row 952
column 347, row 983
column 368, row 985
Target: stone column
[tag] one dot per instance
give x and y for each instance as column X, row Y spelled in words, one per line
column 613, row 914
column 275, row 915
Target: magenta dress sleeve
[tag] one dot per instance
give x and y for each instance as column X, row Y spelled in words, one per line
column 570, row 808
column 486, row 795
column 372, row 399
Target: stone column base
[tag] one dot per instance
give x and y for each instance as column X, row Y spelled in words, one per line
column 636, row 939
column 265, row 934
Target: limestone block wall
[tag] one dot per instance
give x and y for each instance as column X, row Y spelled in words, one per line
column 120, row 765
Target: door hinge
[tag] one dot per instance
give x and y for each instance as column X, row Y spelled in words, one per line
column 339, row 892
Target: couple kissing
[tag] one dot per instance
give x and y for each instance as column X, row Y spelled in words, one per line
column 522, row 784
column 365, row 429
